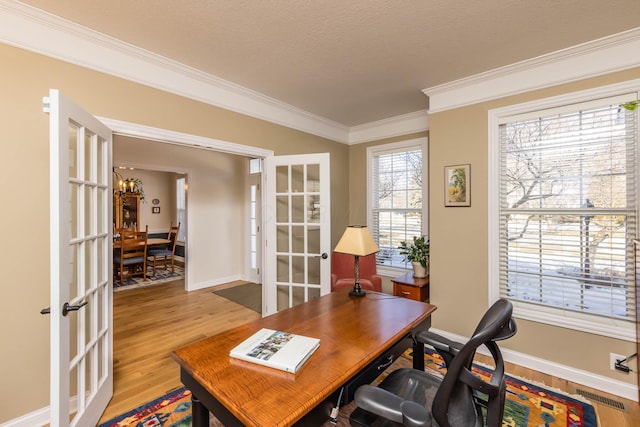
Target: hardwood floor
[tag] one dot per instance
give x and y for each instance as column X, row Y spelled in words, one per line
column 151, row 322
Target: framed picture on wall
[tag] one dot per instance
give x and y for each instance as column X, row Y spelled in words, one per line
column 457, row 185
column 155, row 209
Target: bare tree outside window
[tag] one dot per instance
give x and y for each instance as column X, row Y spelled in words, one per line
column 396, row 202
column 568, row 210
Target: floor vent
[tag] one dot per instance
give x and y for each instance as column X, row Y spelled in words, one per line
column 616, row 404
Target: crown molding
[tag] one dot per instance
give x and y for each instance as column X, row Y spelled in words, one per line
column 602, row 56
column 32, row 29
column 388, row 128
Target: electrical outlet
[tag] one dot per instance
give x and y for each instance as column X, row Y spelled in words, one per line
column 613, row 358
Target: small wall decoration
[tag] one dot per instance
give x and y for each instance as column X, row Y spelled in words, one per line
column 457, row 185
column 155, row 209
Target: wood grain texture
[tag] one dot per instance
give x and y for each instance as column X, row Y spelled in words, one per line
column 149, row 323
column 352, row 331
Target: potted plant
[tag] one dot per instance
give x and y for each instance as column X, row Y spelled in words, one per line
column 417, row 253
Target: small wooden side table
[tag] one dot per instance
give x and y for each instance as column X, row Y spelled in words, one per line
column 415, row 288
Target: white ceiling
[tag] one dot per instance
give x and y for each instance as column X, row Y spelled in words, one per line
column 352, row 62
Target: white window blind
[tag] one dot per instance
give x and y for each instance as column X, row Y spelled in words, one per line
column 567, row 209
column 396, row 198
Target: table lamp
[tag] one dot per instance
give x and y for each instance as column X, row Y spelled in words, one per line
column 357, row 241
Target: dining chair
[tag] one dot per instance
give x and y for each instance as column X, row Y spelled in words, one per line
column 131, row 255
column 167, row 253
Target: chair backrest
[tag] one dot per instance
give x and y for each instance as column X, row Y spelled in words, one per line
column 133, row 243
column 173, row 235
column 456, row 401
column 343, row 265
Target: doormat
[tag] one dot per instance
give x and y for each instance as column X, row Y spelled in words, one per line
column 162, row 276
column 528, row 404
column 248, row 295
column 171, row 410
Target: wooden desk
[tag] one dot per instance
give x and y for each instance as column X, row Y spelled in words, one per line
column 150, row 242
column 359, row 338
column 415, row 288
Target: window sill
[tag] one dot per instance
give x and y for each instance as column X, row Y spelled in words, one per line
column 612, row 328
column 391, row 272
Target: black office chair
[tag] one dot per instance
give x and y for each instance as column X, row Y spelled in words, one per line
column 414, row 398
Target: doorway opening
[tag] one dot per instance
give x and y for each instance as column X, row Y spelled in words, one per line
column 151, row 199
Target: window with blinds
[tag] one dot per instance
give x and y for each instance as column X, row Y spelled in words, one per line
column 567, row 209
column 181, row 208
column 396, row 198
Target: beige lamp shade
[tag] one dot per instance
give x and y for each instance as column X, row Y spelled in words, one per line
column 357, row 240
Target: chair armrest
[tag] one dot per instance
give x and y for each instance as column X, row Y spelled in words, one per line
column 438, row 342
column 376, row 281
column 392, row 407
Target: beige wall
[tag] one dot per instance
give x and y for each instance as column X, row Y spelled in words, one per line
column 459, row 236
column 358, row 175
column 216, row 197
column 24, row 79
column 156, row 185
column 358, row 184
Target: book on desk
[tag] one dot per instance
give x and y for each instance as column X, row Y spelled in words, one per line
column 276, row 349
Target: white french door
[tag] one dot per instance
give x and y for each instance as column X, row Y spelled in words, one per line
column 81, row 304
column 254, row 273
column 297, row 218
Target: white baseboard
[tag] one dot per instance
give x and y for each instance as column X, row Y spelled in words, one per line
column 589, row 379
column 216, row 282
column 37, row 418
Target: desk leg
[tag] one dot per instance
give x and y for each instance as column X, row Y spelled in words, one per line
column 418, row 355
column 199, row 413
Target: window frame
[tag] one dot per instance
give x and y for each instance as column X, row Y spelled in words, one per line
column 182, row 233
column 390, row 148
column 615, row 328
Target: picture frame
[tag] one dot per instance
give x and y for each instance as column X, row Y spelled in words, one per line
column 457, row 185
column 155, row 209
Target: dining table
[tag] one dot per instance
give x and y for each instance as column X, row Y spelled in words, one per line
column 154, row 241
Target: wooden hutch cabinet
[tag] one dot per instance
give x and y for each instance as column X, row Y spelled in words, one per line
column 126, row 211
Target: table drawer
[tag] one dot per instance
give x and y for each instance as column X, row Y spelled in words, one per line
column 411, row 292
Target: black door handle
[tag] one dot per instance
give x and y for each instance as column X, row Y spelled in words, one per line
column 324, row 255
column 66, row 308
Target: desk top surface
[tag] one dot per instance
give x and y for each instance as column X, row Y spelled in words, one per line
column 353, row 332
column 411, row 280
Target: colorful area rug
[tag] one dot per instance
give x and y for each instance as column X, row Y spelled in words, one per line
column 529, row 405
column 171, row 410
column 162, row 276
